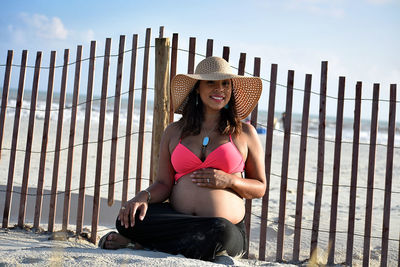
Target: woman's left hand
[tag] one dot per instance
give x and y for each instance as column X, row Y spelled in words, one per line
column 213, row 178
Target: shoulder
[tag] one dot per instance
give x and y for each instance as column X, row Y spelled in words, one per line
column 172, row 133
column 248, row 130
column 245, row 140
column 173, row 129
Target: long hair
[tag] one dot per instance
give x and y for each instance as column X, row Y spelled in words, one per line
column 193, row 116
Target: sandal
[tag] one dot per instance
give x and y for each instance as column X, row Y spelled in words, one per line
column 130, row 245
column 103, row 239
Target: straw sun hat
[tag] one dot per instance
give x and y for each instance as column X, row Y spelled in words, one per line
column 246, row 90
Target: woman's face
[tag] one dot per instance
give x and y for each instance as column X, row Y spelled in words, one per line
column 215, row 94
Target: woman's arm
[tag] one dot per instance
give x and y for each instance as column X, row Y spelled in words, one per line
column 253, row 186
column 159, row 191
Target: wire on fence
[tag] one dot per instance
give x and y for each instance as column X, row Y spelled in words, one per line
column 82, row 103
column 326, row 140
column 80, row 144
column 321, row 230
column 262, row 125
column 256, row 215
column 72, row 190
column 201, row 55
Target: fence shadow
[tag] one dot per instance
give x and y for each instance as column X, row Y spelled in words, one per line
column 107, row 214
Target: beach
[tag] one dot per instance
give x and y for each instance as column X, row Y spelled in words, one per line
column 25, row 247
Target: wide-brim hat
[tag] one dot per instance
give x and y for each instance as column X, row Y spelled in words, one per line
column 246, row 90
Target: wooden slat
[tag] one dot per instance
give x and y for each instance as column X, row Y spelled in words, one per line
column 117, row 103
column 45, row 137
column 321, row 156
column 354, row 172
column 225, row 53
column 85, row 146
column 389, row 175
column 336, row 172
column 174, row 62
column 242, row 64
column 302, row 167
column 285, row 166
column 209, row 51
column 268, row 157
column 29, row 140
column 100, row 140
column 56, row 162
column 4, row 97
column 241, row 71
column 14, row 141
column 71, row 139
column 129, row 118
column 143, row 104
column 371, row 173
column 161, row 32
column 253, row 121
column 191, row 55
column 256, row 73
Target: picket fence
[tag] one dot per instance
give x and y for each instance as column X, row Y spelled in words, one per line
column 165, row 67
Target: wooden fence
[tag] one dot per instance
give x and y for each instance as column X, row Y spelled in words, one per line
column 258, row 212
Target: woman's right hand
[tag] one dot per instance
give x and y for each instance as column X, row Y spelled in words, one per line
column 128, row 210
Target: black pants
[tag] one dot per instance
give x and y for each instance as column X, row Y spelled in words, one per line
column 164, row 229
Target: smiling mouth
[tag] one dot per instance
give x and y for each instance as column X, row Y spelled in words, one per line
column 219, row 98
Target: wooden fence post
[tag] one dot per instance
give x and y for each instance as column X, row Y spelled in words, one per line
column 371, row 176
column 161, row 98
column 71, row 139
column 17, row 116
column 117, row 103
column 285, row 167
column 388, row 176
column 143, row 107
column 321, row 157
column 129, row 119
column 4, row 97
column 302, row 167
column 174, row 62
column 100, row 140
column 29, row 140
column 354, row 174
column 268, row 158
column 85, row 140
column 43, row 152
column 336, row 172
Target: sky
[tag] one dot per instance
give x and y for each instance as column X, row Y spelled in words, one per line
column 360, row 39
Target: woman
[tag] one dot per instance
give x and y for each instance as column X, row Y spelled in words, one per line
column 209, row 162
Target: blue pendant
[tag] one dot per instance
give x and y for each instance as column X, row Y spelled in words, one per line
column 206, row 140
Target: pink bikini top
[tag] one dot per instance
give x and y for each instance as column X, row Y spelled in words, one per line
column 226, row 157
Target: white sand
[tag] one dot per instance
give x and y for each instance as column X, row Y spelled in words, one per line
column 20, row 247
column 25, row 248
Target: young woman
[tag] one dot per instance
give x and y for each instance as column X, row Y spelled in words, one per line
column 209, row 162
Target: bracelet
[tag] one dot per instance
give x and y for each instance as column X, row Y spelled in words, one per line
column 148, row 193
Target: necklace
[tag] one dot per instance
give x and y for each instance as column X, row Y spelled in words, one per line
column 206, row 141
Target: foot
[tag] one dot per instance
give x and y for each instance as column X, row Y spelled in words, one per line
column 116, row 241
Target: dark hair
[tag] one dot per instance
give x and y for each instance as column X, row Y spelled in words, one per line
column 192, row 116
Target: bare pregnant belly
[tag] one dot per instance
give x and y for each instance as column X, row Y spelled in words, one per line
column 189, row 198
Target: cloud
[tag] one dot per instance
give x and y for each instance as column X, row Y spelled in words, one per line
column 42, row 26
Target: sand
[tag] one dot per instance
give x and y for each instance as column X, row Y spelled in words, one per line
column 24, row 248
